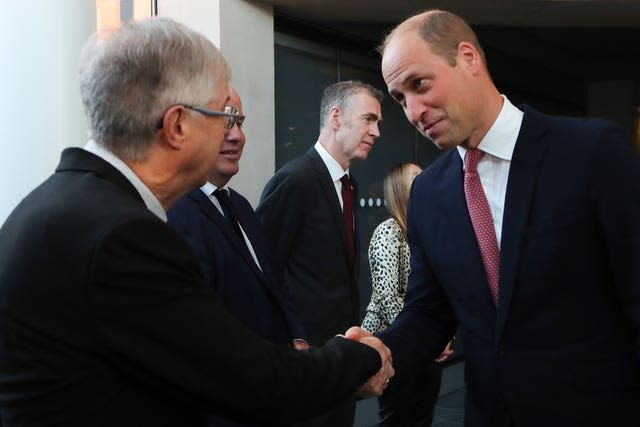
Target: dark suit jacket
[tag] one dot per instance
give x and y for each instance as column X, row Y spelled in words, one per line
column 562, row 346
column 301, row 215
column 253, row 295
column 105, row 320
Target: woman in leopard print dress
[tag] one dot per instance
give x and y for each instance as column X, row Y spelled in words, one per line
column 410, row 399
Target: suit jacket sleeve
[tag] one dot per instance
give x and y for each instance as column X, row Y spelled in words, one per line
column 427, row 321
column 615, row 184
column 162, row 327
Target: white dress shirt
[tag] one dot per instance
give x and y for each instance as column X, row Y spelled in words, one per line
column 208, row 190
column 498, row 145
column 335, row 170
column 150, row 200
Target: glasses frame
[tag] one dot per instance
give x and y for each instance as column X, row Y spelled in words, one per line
column 230, row 112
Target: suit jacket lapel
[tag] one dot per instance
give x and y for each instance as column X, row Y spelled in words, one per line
column 223, row 224
column 329, row 191
column 523, row 173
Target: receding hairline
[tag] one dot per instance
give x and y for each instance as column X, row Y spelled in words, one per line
column 410, row 24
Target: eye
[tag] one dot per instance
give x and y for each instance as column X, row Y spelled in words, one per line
column 419, row 83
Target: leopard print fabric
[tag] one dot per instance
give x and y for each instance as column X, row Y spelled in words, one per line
column 389, row 262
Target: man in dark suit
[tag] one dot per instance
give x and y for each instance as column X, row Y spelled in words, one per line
column 104, row 317
column 235, row 260
column 547, row 291
column 305, row 216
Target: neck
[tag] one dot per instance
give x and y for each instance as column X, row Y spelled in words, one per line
column 161, row 182
column 488, row 114
column 331, row 145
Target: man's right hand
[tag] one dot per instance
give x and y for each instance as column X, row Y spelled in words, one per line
column 375, row 385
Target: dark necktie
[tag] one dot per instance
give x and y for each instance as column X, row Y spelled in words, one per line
column 347, row 215
column 482, row 221
column 225, row 202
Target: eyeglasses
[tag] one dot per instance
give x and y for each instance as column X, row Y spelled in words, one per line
column 230, row 112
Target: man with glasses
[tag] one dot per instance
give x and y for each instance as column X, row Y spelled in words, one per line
column 224, row 232
column 104, row 315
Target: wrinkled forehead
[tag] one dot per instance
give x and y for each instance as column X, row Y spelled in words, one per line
column 398, row 55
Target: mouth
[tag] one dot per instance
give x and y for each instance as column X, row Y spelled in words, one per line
column 431, row 127
column 230, row 154
column 431, row 124
column 368, row 144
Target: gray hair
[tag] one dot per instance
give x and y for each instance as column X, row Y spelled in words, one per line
column 339, row 94
column 128, row 81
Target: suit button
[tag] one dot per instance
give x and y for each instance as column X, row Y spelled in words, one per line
column 501, row 351
column 501, row 406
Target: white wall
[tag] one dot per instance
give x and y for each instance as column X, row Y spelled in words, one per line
column 247, row 43
column 243, row 30
column 41, row 112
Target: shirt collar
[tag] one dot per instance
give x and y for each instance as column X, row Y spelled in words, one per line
column 210, row 187
column 335, row 170
column 500, row 140
column 149, row 199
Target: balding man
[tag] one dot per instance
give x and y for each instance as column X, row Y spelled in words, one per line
column 525, row 232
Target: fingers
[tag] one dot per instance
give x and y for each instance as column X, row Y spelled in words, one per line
column 376, row 384
column 448, row 351
column 355, row 333
column 300, row 344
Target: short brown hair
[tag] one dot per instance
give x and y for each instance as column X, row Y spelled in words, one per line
column 442, row 30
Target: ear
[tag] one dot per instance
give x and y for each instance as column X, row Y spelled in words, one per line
column 334, row 117
column 173, row 126
column 469, row 57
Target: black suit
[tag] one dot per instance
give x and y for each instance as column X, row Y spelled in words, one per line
column 301, row 214
column 249, row 292
column 104, row 320
column 562, row 348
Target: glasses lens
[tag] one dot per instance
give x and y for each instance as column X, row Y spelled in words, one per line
column 232, row 115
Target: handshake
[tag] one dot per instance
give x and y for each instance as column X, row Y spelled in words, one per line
column 376, row 385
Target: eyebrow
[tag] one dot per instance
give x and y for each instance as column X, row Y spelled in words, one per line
column 371, row 116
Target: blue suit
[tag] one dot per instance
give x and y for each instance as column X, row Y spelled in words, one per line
column 253, row 295
column 562, row 346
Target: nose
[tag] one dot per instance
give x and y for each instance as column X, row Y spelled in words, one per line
column 234, row 134
column 414, row 109
column 374, row 130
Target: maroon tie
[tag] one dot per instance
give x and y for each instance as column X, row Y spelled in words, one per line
column 482, row 221
column 347, row 216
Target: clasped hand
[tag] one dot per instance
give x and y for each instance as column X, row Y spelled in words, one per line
column 379, row 382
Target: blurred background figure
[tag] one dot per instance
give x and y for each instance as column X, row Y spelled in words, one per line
column 389, row 251
column 403, row 403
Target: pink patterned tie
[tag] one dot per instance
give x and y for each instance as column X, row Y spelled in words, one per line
column 482, row 221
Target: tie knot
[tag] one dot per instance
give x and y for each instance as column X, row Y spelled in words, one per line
column 221, row 195
column 346, row 183
column 471, row 159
